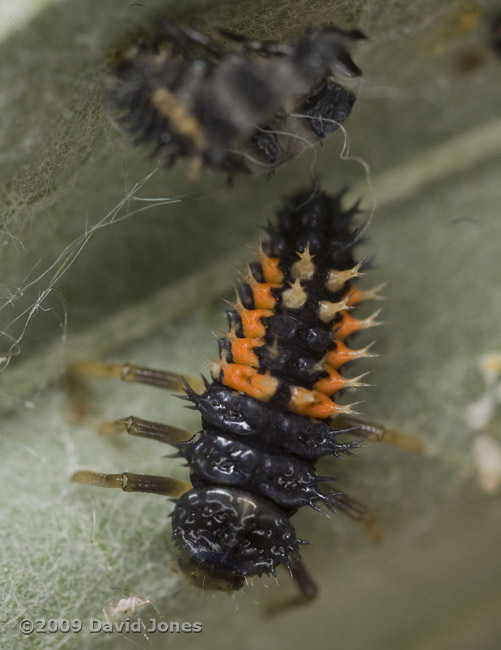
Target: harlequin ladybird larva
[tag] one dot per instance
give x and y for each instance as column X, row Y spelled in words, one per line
column 231, row 108
column 268, row 415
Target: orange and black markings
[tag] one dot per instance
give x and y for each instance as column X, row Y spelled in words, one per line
column 293, row 315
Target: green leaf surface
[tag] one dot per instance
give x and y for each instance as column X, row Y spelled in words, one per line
column 88, row 272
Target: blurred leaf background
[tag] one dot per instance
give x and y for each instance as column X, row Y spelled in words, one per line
column 87, row 272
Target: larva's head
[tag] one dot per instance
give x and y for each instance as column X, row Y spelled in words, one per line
column 225, row 535
column 205, row 577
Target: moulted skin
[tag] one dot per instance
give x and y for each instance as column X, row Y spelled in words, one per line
column 268, row 414
column 229, row 108
column 331, row 102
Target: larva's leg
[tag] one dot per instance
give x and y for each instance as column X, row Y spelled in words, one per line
column 78, row 371
column 128, row 482
column 357, row 511
column 145, row 429
column 130, row 373
column 308, row 589
column 377, row 433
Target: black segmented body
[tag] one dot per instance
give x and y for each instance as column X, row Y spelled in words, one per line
column 253, row 463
